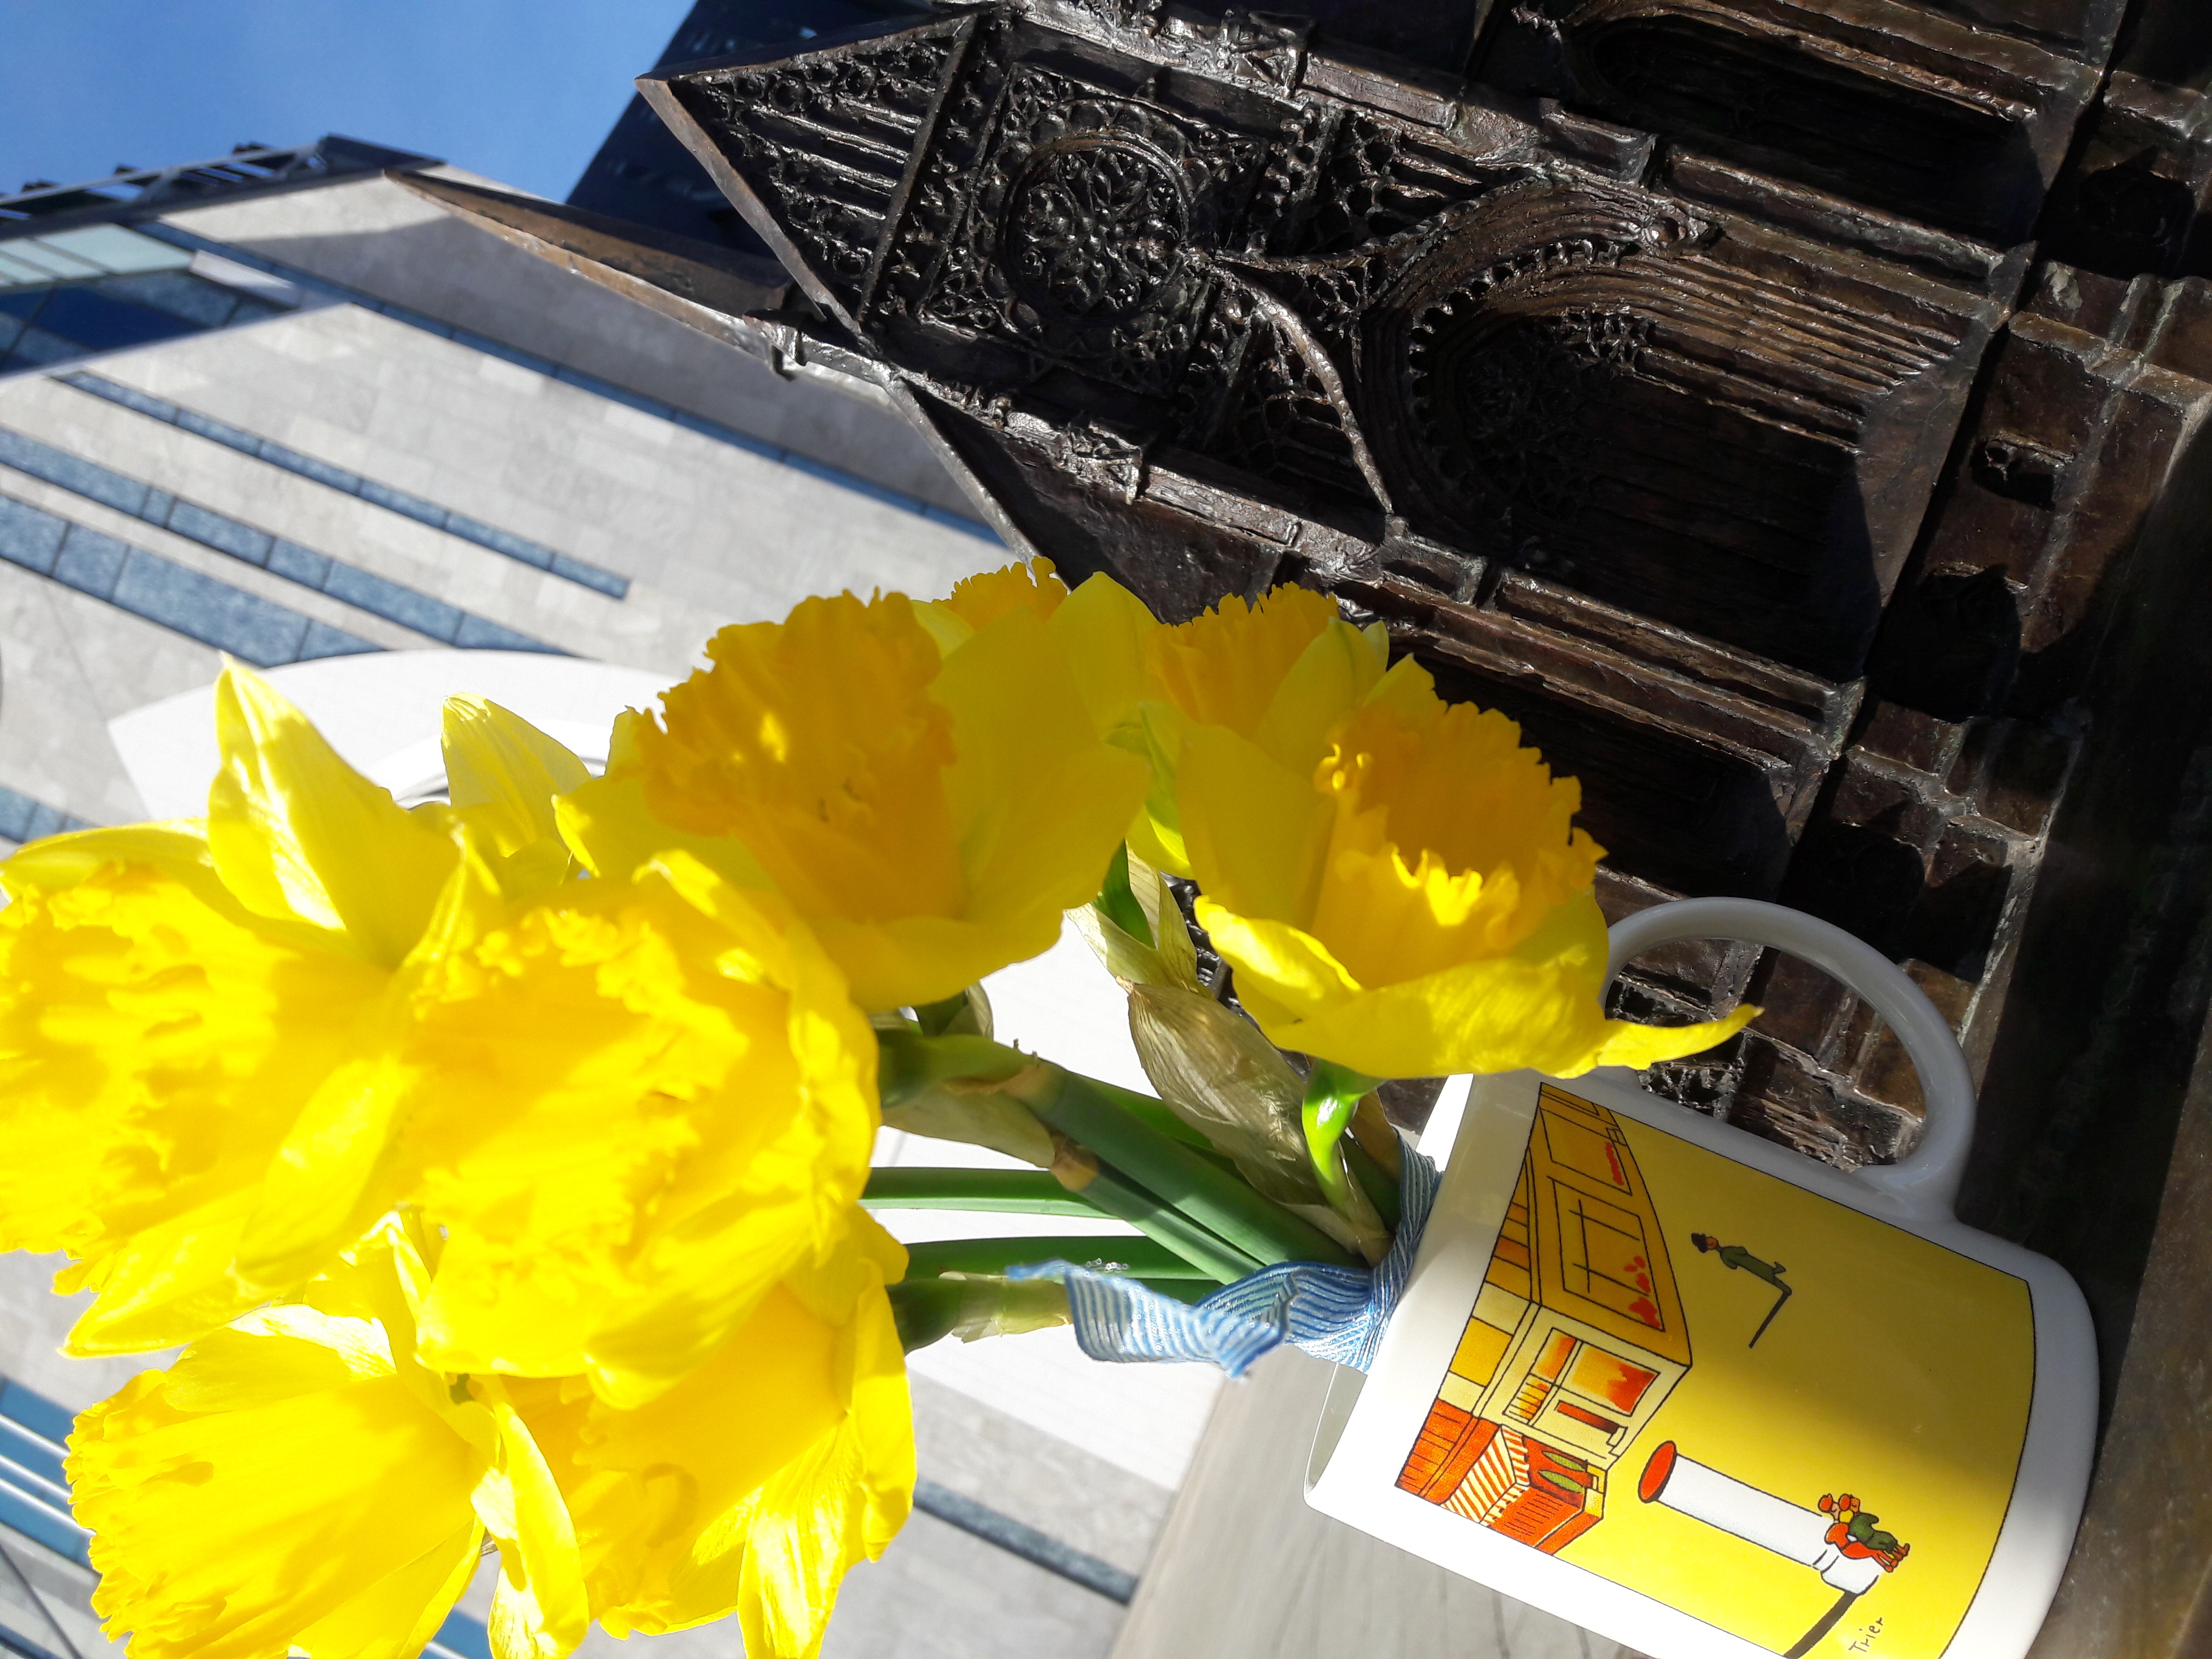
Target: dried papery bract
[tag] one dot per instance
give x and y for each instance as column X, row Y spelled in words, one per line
column 1227, row 1081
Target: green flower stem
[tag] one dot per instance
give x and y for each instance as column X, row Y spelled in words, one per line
column 910, row 1063
column 1034, row 1192
column 1333, row 1094
column 952, row 1014
column 925, row 1310
column 1375, row 1181
column 1026, row 1191
column 1099, row 1116
column 1147, row 1258
column 1213, row 1256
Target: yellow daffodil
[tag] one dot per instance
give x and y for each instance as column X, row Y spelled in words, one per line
column 1102, row 630
column 200, row 1022
column 756, row 1483
column 299, row 1481
column 176, row 999
column 1278, row 675
column 930, row 815
column 977, row 601
column 1416, row 903
column 639, row 1104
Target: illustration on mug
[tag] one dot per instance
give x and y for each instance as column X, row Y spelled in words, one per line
column 1904, row 1366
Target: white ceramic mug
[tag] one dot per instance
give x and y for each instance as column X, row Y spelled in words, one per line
column 1713, row 1400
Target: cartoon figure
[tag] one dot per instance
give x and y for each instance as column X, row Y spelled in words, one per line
column 1735, row 1256
column 1856, row 1535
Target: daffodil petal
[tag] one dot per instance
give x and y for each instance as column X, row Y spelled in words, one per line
column 765, row 1524
column 1101, row 629
column 1536, row 1008
column 540, row 1609
column 1254, row 829
column 1288, row 969
column 607, row 825
column 227, row 1520
column 167, row 1284
column 1156, row 832
column 322, row 1189
column 1041, row 803
column 1327, row 682
column 639, row 1107
column 298, row 834
column 178, row 849
column 498, row 762
column 395, row 1617
column 157, row 1043
column 1639, row 1045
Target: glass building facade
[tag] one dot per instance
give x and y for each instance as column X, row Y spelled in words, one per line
column 101, row 288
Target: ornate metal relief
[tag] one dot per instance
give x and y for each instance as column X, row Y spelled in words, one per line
column 1079, row 238
column 1621, row 383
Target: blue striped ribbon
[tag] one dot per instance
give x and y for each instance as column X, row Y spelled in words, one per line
column 1332, row 1313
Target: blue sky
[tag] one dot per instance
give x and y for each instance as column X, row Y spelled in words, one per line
column 521, row 90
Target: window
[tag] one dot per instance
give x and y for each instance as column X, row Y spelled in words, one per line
column 1602, row 1251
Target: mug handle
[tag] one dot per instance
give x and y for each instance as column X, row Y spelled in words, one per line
column 1927, row 1178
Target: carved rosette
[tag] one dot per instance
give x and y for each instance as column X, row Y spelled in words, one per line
column 1076, row 242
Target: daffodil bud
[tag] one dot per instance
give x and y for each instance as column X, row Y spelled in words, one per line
column 1170, row 957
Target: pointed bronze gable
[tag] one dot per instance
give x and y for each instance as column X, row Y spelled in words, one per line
column 816, row 150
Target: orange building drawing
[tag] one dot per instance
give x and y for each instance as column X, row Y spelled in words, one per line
column 1576, row 1340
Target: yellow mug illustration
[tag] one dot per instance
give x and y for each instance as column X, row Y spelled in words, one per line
column 1709, row 1398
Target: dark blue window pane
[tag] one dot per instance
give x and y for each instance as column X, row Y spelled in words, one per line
column 22, row 301
column 29, row 537
column 398, row 500
column 128, row 397
column 221, row 431
column 308, row 467
column 44, row 821
column 590, row 576
column 244, row 624
column 15, row 815
column 90, row 562
column 10, row 328
column 296, row 563
column 209, row 305
column 324, row 640
column 477, row 634
column 225, row 535
column 499, row 541
column 96, row 320
column 35, row 345
column 57, row 467
column 392, row 602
